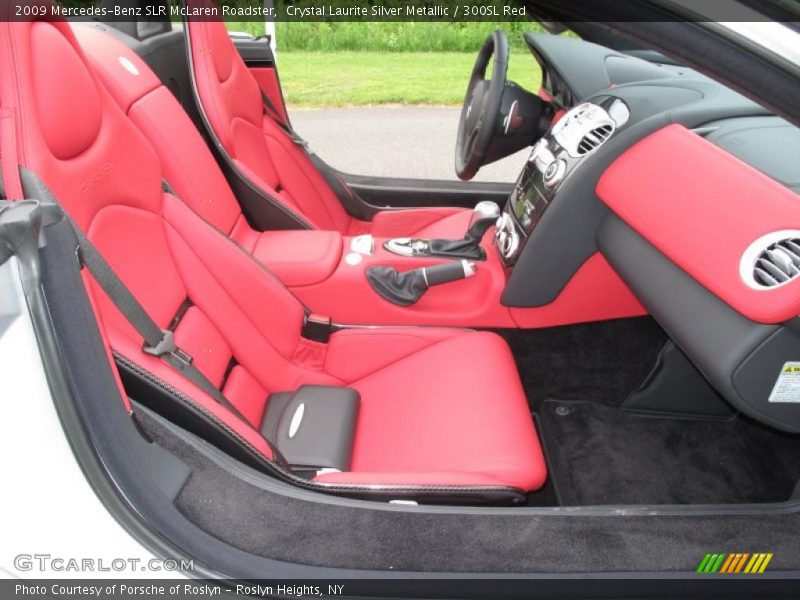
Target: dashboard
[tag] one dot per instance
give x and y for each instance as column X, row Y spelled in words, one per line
column 675, row 180
column 577, row 134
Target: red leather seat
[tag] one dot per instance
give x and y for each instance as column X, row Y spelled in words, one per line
column 442, row 410
column 265, row 155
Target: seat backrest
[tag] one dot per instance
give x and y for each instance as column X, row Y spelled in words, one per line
column 240, row 325
column 189, row 167
column 257, row 147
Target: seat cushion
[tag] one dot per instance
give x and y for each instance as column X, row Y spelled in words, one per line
column 445, row 407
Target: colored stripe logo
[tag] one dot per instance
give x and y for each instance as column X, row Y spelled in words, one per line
column 736, row 562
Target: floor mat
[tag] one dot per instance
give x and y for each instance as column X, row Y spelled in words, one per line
column 603, row 361
column 601, row 455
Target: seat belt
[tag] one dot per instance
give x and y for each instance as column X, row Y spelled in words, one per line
column 275, row 115
column 158, row 342
column 340, row 189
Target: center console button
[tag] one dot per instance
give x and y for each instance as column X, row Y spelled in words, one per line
column 555, row 173
column 542, row 157
column 363, row 244
column 506, row 237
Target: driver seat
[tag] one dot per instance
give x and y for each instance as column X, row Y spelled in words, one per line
column 260, row 150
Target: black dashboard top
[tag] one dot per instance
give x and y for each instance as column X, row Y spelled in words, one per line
column 574, row 69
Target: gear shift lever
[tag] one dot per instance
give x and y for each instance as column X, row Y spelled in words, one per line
column 484, row 215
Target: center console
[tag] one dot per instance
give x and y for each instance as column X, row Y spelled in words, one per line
column 462, row 282
column 370, row 285
column 577, row 134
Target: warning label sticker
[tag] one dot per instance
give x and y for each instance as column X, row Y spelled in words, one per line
column 787, row 388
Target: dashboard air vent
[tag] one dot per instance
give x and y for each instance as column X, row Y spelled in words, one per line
column 772, row 260
column 779, row 263
column 592, row 140
column 583, row 129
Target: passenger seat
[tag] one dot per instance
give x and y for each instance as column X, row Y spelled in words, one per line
column 442, row 415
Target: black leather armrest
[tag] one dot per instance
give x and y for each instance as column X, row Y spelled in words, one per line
column 314, row 427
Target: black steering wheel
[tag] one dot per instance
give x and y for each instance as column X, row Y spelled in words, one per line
column 478, row 120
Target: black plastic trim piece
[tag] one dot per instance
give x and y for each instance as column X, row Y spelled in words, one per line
column 20, row 223
column 676, row 388
column 255, row 52
column 385, row 193
column 161, row 397
column 324, row 432
column 718, row 340
column 149, row 22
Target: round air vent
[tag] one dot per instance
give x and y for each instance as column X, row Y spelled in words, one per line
column 772, row 260
column 584, row 129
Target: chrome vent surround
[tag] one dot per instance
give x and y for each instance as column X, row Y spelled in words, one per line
column 772, row 260
column 584, row 129
column 592, row 140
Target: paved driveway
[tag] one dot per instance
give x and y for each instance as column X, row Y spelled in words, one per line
column 414, row 142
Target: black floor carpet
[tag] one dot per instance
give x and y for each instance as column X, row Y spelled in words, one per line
column 603, row 361
column 601, row 455
column 294, row 530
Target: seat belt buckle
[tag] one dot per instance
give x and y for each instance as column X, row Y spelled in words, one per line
column 317, row 328
column 167, row 345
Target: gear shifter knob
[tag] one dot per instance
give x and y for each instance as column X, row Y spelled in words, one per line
column 484, row 215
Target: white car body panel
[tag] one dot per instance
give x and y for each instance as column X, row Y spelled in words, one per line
column 48, row 504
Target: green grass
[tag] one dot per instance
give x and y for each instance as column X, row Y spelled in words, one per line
column 367, row 63
column 395, row 37
column 317, row 79
column 412, row 36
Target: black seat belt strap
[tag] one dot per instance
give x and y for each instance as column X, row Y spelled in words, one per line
column 339, row 187
column 157, row 342
column 269, row 107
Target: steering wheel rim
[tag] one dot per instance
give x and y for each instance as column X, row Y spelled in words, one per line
column 481, row 109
